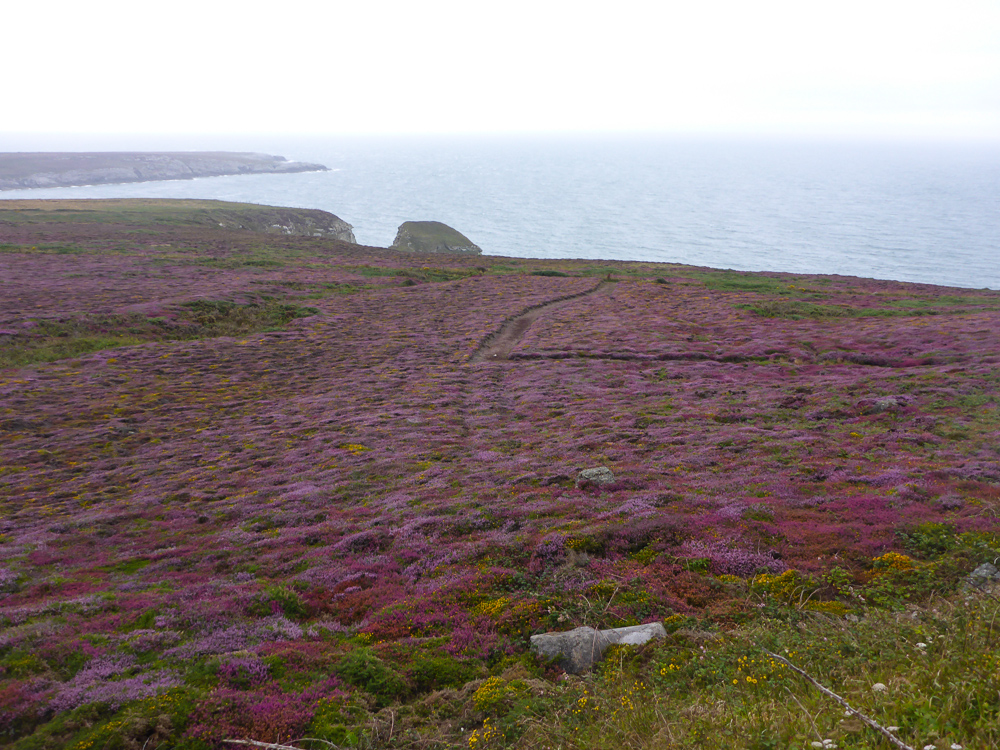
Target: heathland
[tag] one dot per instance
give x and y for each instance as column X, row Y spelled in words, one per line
column 273, row 486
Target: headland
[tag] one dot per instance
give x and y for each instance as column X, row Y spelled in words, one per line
column 65, row 169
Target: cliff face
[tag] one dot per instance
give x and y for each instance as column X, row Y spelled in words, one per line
column 432, row 237
column 292, row 221
column 38, row 170
column 143, row 212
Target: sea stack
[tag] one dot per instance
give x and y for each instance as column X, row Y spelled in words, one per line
column 432, row 237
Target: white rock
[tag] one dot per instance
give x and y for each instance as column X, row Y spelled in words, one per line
column 597, row 475
column 578, row 650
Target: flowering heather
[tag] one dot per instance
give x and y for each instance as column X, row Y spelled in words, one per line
column 725, row 560
column 114, row 693
column 223, row 517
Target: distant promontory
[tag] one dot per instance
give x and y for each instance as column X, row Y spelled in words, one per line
column 64, row 169
column 432, row 237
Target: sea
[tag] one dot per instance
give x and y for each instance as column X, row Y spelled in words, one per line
column 912, row 211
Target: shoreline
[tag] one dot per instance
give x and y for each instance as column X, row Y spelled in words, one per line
column 31, row 171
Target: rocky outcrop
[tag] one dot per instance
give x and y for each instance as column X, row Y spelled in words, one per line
column 578, row 650
column 42, row 170
column 291, row 221
column 432, row 237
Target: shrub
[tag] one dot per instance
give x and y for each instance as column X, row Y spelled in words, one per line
column 892, row 561
column 439, row 672
column 930, row 539
column 279, row 599
column 496, row 694
column 790, row 587
column 339, row 721
column 363, row 669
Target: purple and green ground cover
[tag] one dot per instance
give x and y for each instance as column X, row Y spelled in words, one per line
column 245, row 522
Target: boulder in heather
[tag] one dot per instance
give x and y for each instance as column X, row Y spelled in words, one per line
column 885, row 404
column 432, row 237
column 598, row 475
column 985, row 576
column 578, row 650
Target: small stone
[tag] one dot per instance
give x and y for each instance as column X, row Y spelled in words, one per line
column 985, row 574
column 879, row 687
column 889, row 403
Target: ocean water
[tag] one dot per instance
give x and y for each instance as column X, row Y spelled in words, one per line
column 918, row 212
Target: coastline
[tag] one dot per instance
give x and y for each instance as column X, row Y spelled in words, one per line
column 35, row 170
column 915, row 214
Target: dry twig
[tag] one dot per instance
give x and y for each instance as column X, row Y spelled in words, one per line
column 276, row 746
column 850, row 709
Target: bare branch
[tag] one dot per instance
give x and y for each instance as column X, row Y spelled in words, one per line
column 275, row 746
column 808, row 715
column 850, row 709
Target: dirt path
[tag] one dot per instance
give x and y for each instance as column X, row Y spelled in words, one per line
column 498, row 346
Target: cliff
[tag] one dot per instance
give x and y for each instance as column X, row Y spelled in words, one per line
column 56, row 169
column 210, row 214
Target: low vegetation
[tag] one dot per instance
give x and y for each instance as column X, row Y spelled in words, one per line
column 269, row 488
column 48, row 340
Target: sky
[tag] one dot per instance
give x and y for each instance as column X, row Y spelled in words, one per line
column 898, row 68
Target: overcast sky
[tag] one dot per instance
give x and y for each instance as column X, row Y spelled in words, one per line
column 877, row 67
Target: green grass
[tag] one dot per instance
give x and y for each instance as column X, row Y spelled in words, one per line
column 224, row 318
column 44, row 249
column 797, row 309
column 141, row 212
column 704, row 689
column 53, row 349
column 52, row 340
column 733, row 281
column 947, row 300
column 423, row 274
column 430, row 233
column 912, row 629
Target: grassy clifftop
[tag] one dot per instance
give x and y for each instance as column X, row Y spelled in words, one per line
column 140, row 212
column 265, row 486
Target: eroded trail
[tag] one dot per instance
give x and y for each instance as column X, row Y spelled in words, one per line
column 499, row 346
